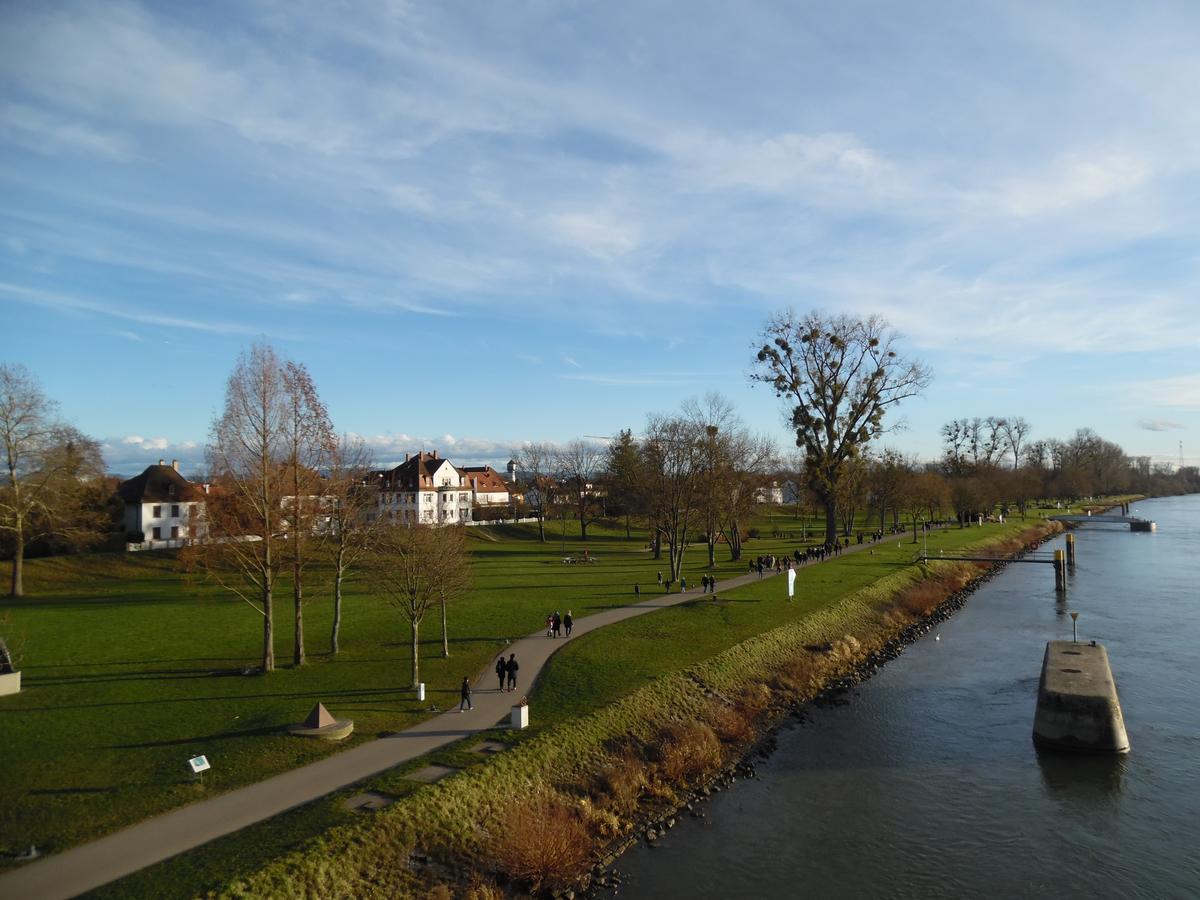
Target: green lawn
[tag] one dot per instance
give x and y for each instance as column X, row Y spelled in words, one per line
column 130, row 669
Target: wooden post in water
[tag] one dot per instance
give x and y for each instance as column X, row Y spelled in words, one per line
column 1071, row 550
column 1060, row 571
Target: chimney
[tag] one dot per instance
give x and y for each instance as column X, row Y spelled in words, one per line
column 406, row 457
column 434, row 454
column 162, row 462
column 175, row 464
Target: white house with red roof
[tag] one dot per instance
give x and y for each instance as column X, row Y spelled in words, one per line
column 163, row 507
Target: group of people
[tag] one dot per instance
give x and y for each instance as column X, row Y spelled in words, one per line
column 506, row 672
column 556, row 624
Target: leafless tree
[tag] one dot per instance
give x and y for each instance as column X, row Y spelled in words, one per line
column 579, row 465
column 673, row 468
column 887, row 478
column 247, row 453
column 839, row 376
column 352, row 521
column 308, row 437
column 415, row 568
column 734, row 463
column 1015, row 430
column 47, row 465
column 535, row 466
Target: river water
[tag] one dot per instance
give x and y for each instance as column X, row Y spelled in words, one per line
column 927, row 784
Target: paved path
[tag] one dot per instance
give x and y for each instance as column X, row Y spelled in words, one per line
column 89, row 866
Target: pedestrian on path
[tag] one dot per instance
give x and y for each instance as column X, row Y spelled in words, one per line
column 501, row 671
column 682, row 585
column 568, row 622
column 557, row 623
column 660, row 577
column 511, row 668
column 637, row 591
column 465, row 695
column 550, row 625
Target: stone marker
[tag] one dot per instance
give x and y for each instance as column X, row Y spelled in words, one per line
column 321, row 724
column 1077, row 704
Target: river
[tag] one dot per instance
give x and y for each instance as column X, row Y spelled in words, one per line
column 926, row 782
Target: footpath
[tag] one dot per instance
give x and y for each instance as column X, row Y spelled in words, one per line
column 122, row 853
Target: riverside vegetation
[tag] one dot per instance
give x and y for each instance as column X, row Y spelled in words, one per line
column 630, row 719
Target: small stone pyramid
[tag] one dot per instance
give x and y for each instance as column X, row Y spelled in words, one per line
column 320, row 717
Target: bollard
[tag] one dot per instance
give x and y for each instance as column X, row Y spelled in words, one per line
column 1071, row 550
column 421, row 690
column 1060, row 571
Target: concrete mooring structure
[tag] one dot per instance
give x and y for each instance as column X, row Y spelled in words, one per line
column 1077, row 704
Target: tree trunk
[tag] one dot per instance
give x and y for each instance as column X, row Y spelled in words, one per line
column 445, row 637
column 268, row 660
column 18, row 566
column 734, row 537
column 337, row 609
column 712, row 550
column 416, row 659
column 541, row 527
column 628, row 531
column 657, row 541
column 583, row 524
column 298, row 595
column 830, row 520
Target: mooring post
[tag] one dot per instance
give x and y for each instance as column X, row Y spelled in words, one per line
column 1071, row 550
column 1060, row 571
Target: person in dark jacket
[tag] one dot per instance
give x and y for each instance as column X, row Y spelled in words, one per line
column 557, row 623
column 501, row 671
column 568, row 622
column 465, row 695
column 511, row 668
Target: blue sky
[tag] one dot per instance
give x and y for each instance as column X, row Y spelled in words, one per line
column 485, row 223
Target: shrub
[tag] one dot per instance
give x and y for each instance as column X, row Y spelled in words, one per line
column 729, row 725
column 752, row 533
column 686, row 750
column 620, row 783
column 544, row 843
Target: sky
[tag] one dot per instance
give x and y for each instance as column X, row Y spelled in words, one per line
column 480, row 224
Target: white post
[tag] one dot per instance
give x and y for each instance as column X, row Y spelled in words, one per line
column 520, row 717
column 421, row 690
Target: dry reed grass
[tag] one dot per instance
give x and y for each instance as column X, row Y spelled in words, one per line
column 544, row 843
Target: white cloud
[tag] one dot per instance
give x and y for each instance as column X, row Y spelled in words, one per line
column 47, row 133
column 597, row 234
column 1072, row 182
column 1158, row 424
column 1178, row 392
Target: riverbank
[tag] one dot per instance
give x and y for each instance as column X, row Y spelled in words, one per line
column 543, row 813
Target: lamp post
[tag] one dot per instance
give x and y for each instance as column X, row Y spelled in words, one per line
column 1074, row 633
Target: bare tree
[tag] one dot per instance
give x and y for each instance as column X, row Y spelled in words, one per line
column 47, row 465
column 352, row 523
column 414, row 568
column 622, row 479
column 308, row 436
column 1015, row 430
column 535, row 465
column 887, row 477
column 839, row 376
column 579, row 465
column 673, row 467
column 247, row 454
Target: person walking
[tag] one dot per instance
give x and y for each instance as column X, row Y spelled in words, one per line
column 557, row 623
column 511, row 668
column 682, row 585
column 637, row 591
column 465, row 695
column 550, row 625
column 501, row 671
column 660, row 577
column 568, row 622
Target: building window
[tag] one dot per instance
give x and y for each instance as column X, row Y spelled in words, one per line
column 157, row 532
column 175, row 511
column 155, row 512
column 174, row 532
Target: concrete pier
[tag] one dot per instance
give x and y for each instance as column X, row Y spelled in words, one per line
column 1077, row 704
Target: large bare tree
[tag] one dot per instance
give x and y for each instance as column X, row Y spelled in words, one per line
column 247, row 456
column 415, row 568
column 308, row 437
column 351, row 503
column 535, row 468
column 673, row 466
column 579, row 465
column 839, row 376
column 1015, row 429
column 47, row 466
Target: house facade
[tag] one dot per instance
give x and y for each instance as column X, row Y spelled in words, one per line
column 163, row 507
column 488, row 487
column 425, row 489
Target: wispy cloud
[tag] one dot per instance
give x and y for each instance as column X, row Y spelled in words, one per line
column 648, row 379
column 1158, row 424
column 1178, row 392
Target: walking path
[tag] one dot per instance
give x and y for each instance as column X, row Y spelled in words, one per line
column 89, row 866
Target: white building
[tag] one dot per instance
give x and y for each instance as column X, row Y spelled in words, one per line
column 488, row 488
column 163, row 507
column 425, row 489
column 770, row 494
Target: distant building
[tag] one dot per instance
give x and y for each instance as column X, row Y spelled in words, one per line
column 771, row 493
column 425, row 489
column 163, row 507
column 488, row 488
